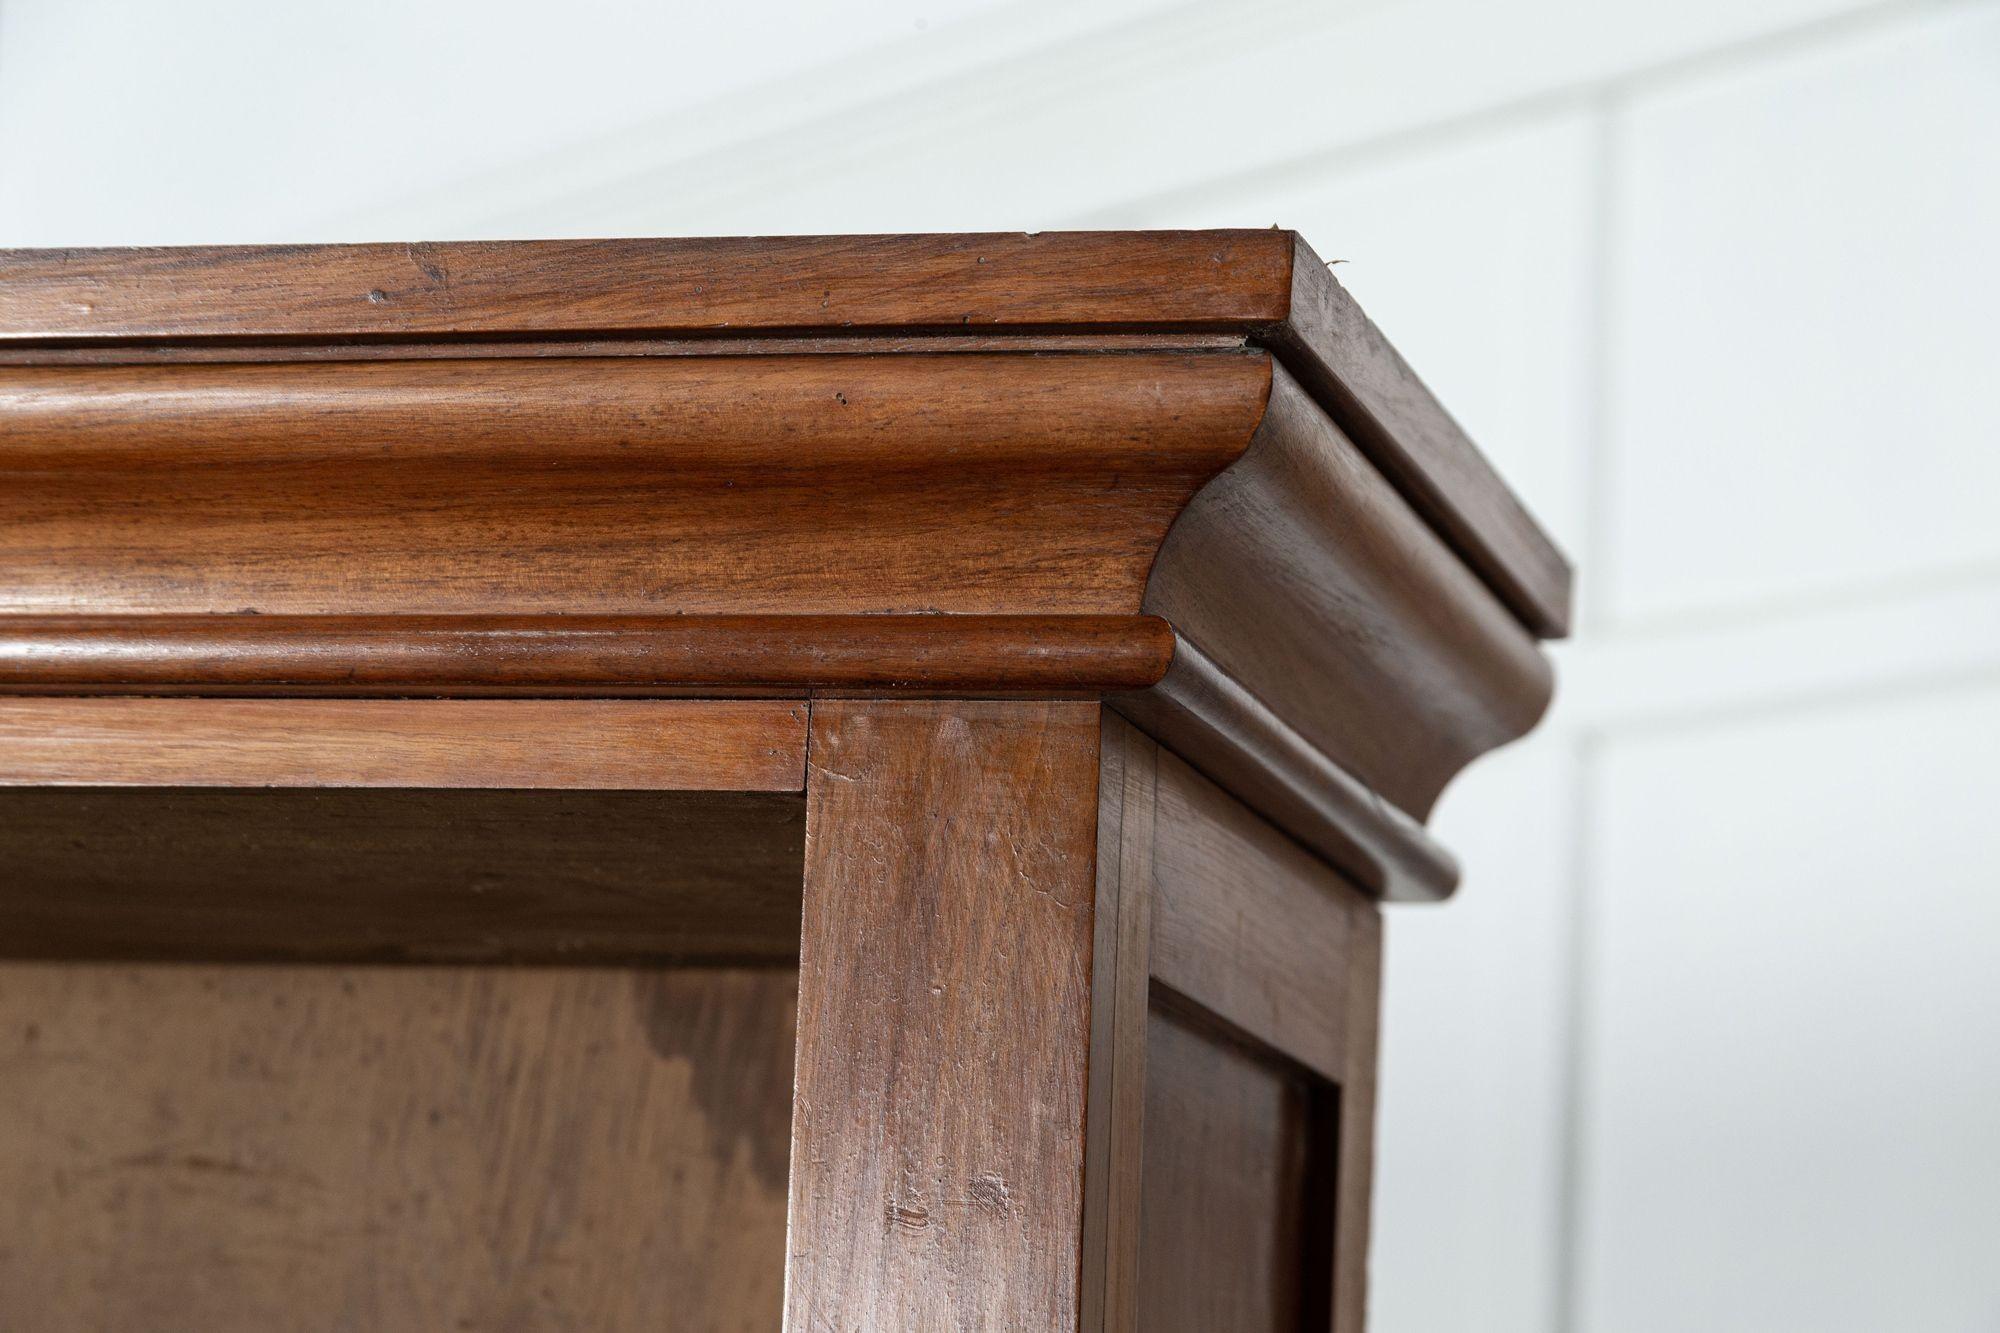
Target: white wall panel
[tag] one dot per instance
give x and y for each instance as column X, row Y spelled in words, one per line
column 1792, row 1100
column 125, row 122
column 1475, row 1021
column 1805, row 339
column 1088, row 127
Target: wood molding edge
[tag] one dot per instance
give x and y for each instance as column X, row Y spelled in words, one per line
column 1232, row 737
column 1267, row 285
column 1317, row 589
column 581, row 655
column 1363, row 383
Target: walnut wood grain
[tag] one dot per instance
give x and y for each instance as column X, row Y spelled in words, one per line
column 1120, row 989
column 1235, row 1210
column 818, row 507
column 1365, row 633
column 1267, row 285
column 1266, row 972
column 691, row 745
column 872, row 528
column 1234, row 738
column 720, row 285
column 641, row 486
column 1364, row 384
column 397, row 874
column 116, row 353
column 1248, row 925
column 583, row 654
column 407, row 489
column 238, row 1149
column 944, row 1016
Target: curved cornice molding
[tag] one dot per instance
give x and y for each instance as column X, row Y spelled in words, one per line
column 1177, row 471
column 1265, row 286
column 1303, row 575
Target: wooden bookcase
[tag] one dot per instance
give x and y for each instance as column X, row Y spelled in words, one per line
column 703, row 784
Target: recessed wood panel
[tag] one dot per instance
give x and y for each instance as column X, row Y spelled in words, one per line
column 1257, row 1035
column 1236, row 1208
column 400, row 1150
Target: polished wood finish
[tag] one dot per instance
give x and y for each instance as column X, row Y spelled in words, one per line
column 1356, row 599
column 1370, row 391
column 636, row 486
column 1042, row 651
column 249, row 874
column 583, row 654
column 389, row 522
column 1266, row 285
column 1234, row 738
column 944, row 1016
column 687, row 745
column 426, row 474
column 228, row 1149
column 64, row 352
column 726, row 286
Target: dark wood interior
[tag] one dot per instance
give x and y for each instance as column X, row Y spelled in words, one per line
column 373, row 874
column 191, row 1148
column 212, row 1119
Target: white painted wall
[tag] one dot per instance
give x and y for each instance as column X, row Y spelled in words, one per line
column 1711, row 1039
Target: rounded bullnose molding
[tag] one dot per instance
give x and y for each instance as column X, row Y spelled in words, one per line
column 592, row 655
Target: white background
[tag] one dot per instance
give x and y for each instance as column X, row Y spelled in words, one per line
column 1711, row 1037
